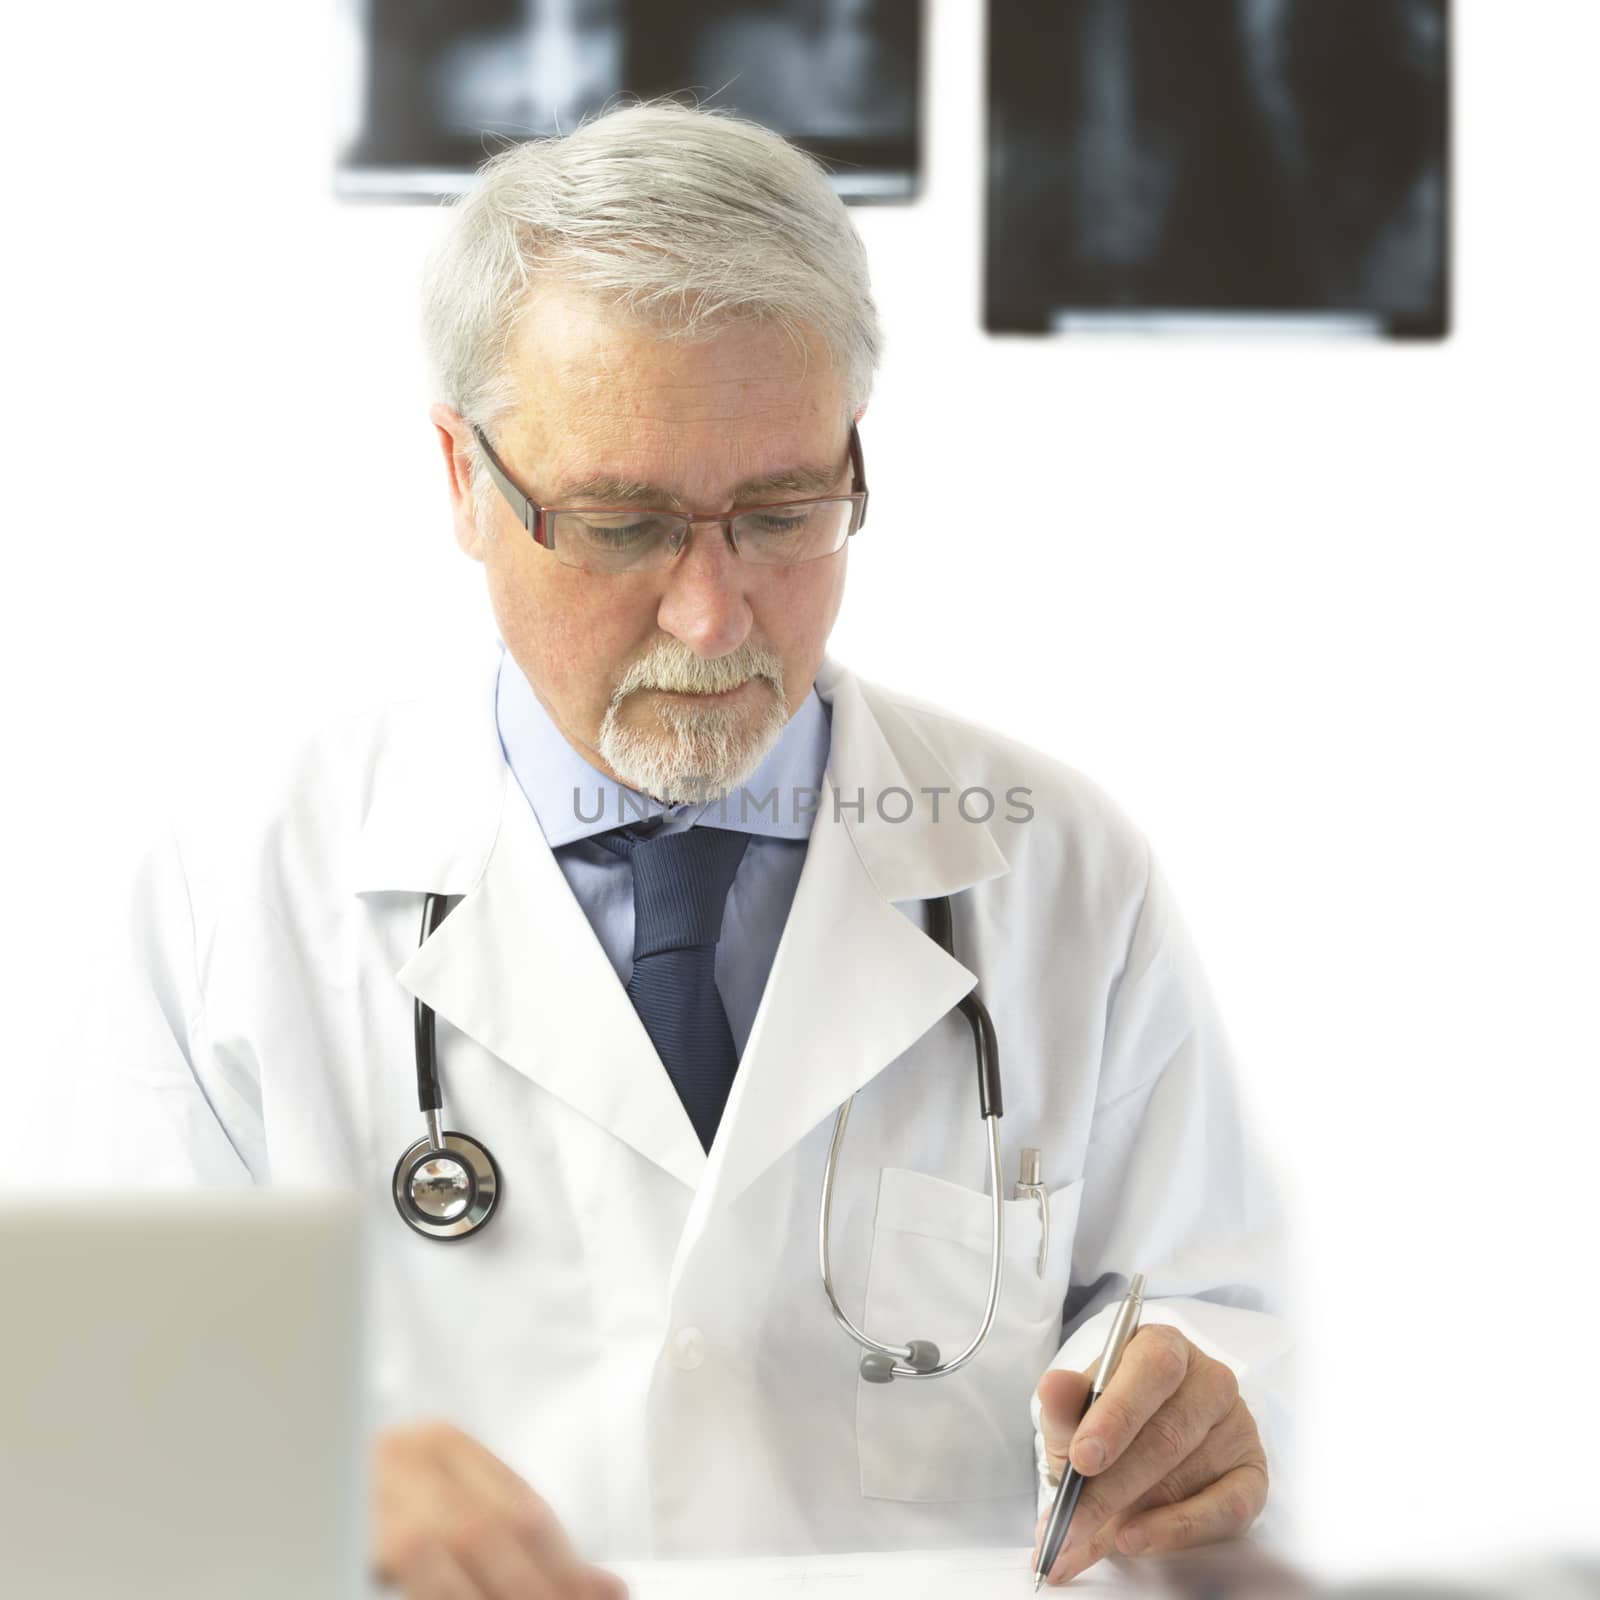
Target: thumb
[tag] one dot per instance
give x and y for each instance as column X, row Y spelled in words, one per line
column 1061, row 1400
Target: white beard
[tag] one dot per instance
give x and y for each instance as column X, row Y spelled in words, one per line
column 698, row 752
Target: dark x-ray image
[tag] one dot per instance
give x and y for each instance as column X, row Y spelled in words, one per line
column 1189, row 163
column 445, row 83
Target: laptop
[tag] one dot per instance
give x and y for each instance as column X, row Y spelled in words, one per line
column 181, row 1397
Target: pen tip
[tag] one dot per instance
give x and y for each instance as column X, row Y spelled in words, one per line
column 1038, row 1578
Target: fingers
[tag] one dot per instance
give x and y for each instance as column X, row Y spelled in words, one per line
column 1084, row 1547
column 1203, row 1428
column 479, row 1469
column 1170, row 1454
column 1224, row 1509
column 493, row 1556
column 1152, row 1369
column 436, row 1545
column 1061, row 1400
column 1038, row 1535
column 453, row 1522
column 604, row 1586
column 486, row 1480
column 1096, row 1530
column 436, row 1575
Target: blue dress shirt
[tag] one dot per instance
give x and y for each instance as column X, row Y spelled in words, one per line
column 572, row 800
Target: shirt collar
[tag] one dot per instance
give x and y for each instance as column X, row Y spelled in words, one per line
column 571, row 799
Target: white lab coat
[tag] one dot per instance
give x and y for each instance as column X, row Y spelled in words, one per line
column 640, row 1331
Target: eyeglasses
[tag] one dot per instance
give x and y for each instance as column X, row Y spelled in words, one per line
column 610, row 539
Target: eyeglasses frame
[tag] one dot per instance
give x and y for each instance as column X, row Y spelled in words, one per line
column 536, row 517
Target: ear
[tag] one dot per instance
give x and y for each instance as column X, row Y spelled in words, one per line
column 455, row 440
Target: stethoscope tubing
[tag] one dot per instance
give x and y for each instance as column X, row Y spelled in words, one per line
column 477, row 1175
column 435, row 908
column 904, row 1355
column 920, row 1359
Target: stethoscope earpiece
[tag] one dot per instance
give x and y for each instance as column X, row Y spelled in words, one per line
column 878, row 1366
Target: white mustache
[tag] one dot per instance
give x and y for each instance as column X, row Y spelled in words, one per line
column 695, row 676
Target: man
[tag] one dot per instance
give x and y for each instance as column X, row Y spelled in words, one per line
column 687, row 862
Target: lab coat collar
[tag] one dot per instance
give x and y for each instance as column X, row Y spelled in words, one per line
column 516, row 966
column 855, row 981
column 431, row 792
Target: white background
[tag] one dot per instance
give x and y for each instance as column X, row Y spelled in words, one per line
column 1320, row 616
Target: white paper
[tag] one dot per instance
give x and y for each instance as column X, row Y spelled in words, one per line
column 882, row 1575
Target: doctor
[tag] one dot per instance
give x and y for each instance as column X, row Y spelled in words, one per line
column 687, row 860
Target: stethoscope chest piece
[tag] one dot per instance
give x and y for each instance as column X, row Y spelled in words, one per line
column 448, row 1192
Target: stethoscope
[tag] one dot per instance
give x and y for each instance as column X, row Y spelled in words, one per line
column 447, row 1185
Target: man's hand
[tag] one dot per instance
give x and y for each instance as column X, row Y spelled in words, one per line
column 453, row 1522
column 1170, row 1452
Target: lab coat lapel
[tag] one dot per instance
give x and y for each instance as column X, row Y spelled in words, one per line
column 856, row 982
column 516, row 965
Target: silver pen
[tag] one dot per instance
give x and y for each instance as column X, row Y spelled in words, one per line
column 1123, row 1326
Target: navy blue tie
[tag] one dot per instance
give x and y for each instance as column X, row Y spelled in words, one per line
column 680, row 886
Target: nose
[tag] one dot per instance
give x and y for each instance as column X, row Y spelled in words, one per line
column 705, row 602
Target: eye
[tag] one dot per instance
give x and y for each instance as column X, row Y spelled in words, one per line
column 768, row 523
column 620, row 531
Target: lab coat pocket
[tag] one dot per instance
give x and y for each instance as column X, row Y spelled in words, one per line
column 968, row 1436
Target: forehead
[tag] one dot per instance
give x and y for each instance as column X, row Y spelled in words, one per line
column 602, row 395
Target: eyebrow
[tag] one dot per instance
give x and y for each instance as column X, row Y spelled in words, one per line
column 797, row 483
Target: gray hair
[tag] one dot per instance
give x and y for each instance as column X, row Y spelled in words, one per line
column 687, row 219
